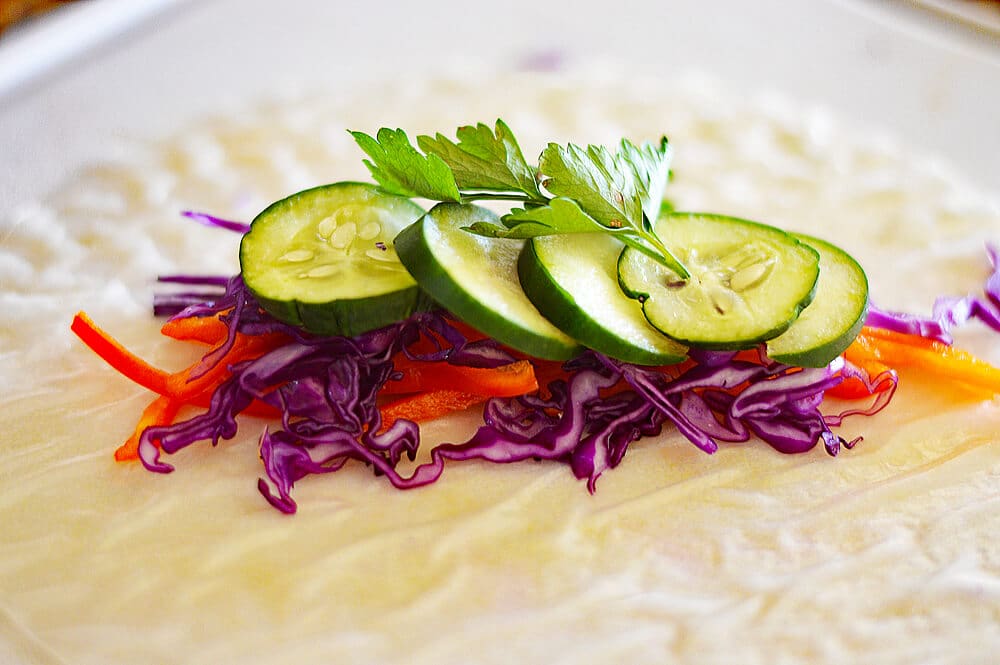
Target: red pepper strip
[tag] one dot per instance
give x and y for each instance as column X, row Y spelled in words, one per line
column 517, row 378
column 207, row 329
column 428, row 406
column 161, row 411
column 547, row 371
column 116, row 355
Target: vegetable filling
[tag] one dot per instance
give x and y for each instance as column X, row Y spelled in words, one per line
column 342, row 391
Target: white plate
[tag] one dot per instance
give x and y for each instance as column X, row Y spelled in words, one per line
column 928, row 83
column 31, row 50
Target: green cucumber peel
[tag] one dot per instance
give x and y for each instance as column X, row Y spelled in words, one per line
column 749, row 282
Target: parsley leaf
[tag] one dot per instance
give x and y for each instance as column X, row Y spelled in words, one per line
column 560, row 216
column 651, row 166
column 485, row 159
column 582, row 189
column 400, row 169
column 603, row 185
column 617, row 189
column 622, row 191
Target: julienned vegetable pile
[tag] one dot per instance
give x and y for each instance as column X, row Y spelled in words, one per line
column 587, row 317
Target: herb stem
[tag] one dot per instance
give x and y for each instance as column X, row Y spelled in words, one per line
column 664, row 256
column 491, row 196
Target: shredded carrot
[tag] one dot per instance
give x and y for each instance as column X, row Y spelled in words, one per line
column 182, row 386
column 179, row 385
column 517, row 378
column 901, row 338
column 854, row 388
column 161, row 411
column 116, row 355
column 877, row 350
column 179, row 388
column 206, row 329
column 440, row 388
column 428, row 406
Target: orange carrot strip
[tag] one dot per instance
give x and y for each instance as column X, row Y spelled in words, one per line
column 175, row 389
column 257, row 408
column 517, row 378
column 161, row 411
column 852, row 387
column 428, row 406
column 470, row 333
column 178, row 385
column 935, row 357
column 207, row 329
column 181, row 386
column 898, row 337
column 116, row 355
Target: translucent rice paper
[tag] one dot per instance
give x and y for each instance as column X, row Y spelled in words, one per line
column 886, row 553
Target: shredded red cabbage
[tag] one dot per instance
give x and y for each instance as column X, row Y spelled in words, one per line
column 327, row 388
column 327, row 391
column 948, row 312
column 173, row 303
column 218, row 222
column 576, row 425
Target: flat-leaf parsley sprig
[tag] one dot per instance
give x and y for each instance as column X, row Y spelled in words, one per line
column 573, row 189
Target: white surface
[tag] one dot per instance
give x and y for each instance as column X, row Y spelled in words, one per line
column 888, row 551
column 937, row 90
column 886, row 554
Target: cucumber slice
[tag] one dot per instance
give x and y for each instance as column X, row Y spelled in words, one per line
column 748, row 283
column 322, row 259
column 573, row 281
column 475, row 278
column 835, row 316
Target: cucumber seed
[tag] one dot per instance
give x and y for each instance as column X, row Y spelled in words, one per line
column 297, row 256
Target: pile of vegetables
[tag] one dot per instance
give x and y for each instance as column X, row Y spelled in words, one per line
column 357, row 316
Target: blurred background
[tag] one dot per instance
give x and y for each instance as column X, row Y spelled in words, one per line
column 76, row 76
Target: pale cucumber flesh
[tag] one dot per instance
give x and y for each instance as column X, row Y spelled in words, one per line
column 323, row 259
column 749, row 281
column 475, row 278
column 833, row 319
column 573, row 281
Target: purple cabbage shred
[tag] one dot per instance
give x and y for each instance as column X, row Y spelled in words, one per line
column 948, row 312
column 217, row 222
column 327, row 391
column 327, row 388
